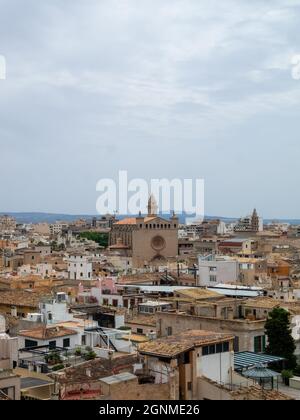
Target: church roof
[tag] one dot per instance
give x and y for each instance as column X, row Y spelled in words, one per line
column 127, row 221
column 134, row 220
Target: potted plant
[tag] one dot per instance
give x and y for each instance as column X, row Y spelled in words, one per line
column 91, row 355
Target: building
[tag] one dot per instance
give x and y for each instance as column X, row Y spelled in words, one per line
column 152, row 240
column 57, row 228
column 32, row 257
column 19, row 303
column 205, row 228
column 189, row 356
column 7, row 224
column 152, row 307
column 214, row 270
column 10, row 385
column 105, row 293
column 9, row 381
column 80, row 267
column 250, row 224
column 224, row 320
column 41, row 229
column 8, row 351
column 236, row 246
column 52, row 337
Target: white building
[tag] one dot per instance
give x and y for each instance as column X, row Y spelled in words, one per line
column 215, row 270
column 80, row 267
column 44, row 270
column 222, row 229
column 52, row 337
column 52, row 311
column 56, row 310
column 152, row 307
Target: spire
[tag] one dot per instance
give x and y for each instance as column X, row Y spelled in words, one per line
column 152, row 206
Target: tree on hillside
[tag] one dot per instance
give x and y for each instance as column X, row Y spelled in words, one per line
column 279, row 332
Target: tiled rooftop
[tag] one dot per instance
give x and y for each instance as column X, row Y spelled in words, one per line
column 198, row 294
column 20, row 298
column 262, row 302
column 177, row 344
column 47, row 333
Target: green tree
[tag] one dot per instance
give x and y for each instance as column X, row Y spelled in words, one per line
column 98, row 237
column 279, row 332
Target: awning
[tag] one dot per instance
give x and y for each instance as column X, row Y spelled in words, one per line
column 260, row 372
column 247, row 360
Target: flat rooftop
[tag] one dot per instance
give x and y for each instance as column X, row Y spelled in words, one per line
column 116, row 379
column 28, row 383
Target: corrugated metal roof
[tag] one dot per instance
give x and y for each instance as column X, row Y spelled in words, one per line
column 247, row 360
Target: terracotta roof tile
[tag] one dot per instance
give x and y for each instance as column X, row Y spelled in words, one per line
column 177, row 344
column 47, row 333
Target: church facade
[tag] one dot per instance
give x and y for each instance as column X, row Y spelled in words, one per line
column 152, row 240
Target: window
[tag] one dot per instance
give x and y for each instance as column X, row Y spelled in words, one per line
column 236, row 345
column 83, row 340
column 213, row 279
column 212, row 349
column 30, row 343
column 140, row 331
column 205, row 351
column 52, row 345
column 215, row 349
column 169, row 331
column 259, row 344
column 219, row 348
column 190, row 386
column 226, row 347
column 186, row 359
column 66, row 343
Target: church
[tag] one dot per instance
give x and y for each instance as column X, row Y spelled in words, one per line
column 151, row 240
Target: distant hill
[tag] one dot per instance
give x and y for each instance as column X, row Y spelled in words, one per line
column 53, row 217
column 44, row 217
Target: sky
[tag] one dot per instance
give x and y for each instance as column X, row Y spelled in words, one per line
column 163, row 89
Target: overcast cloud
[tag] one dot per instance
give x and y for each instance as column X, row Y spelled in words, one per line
column 162, row 88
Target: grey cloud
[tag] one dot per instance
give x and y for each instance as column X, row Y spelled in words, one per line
column 174, row 88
